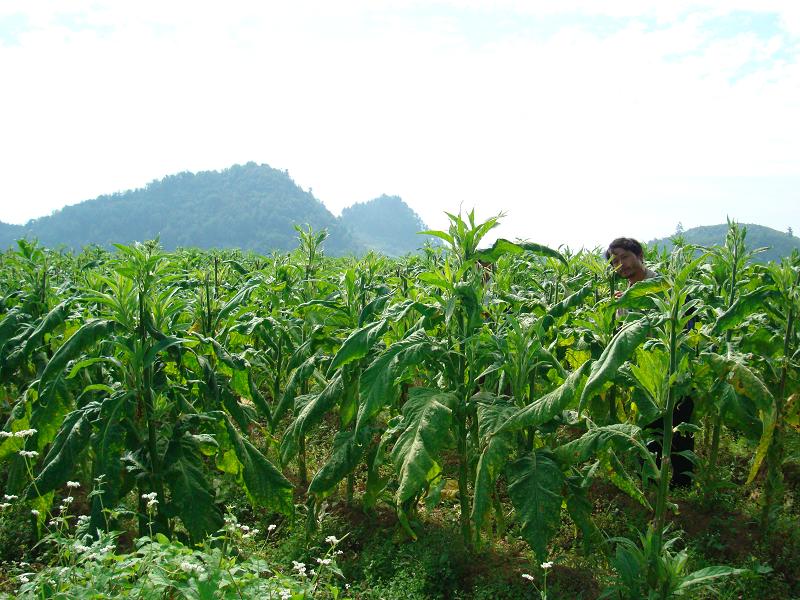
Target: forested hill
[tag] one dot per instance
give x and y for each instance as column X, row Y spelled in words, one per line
column 780, row 244
column 253, row 207
column 385, row 224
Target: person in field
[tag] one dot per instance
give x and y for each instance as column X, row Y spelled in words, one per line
column 626, row 256
column 627, row 259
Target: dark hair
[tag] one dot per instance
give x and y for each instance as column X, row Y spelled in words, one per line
column 629, row 244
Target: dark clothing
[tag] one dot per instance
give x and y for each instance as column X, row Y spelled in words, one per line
column 682, row 467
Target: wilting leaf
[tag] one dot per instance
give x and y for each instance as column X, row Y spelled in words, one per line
column 534, row 486
column 619, row 349
column 427, row 416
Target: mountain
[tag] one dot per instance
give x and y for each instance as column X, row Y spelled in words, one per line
column 251, row 206
column 385, row 224
column 780, row 244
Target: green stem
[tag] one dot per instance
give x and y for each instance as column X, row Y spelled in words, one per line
column 666, row 443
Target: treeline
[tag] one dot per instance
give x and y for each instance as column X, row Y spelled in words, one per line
column 252, row 207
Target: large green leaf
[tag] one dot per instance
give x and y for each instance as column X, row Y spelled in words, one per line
column 619, row 349
column 746, row 383
column 295, row 383
column 637, row 295
column 535, row 482
column 550, row 405
column 705, row 575
column 234, row 303
column 85, row 337
column 427, row 417
column 48, row 323
column 624, row 436
column 312, row 412
column 347, row 452
column 502, row 247
column 264, row 484
column 496, row 446
column 561, row 308
column 63, row 457
column 191, row 499
column 378, row 380
column 744, row 306
column 359, row 343
column 650, row 371
column 109, row 446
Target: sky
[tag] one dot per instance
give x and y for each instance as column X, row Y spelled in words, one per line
column 581, row 120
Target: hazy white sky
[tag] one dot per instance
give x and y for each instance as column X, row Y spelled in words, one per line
column 581, row 119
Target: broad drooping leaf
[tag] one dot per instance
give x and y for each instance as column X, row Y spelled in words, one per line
column 637, row 295
column 311, row 412
column 109, row 447
column 85, row 337
column 427, row 416
column 705, row 575
column 624, row 436
column 650, row 370
column 296, row 379
column 502, row 247
column 746, row 383
column 619, row 349
column 534, row 486
column 62, row 459
column 744, row 306
column 496, row 446
column 359, row 343
column 561, row 308
column 264, row 484
column 378, row 380
column 191, row 500
column 347, row 453
column 50, row 321
column 550, row 405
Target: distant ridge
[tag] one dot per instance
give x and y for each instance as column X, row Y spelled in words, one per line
column 779, row 244
column 251, row 206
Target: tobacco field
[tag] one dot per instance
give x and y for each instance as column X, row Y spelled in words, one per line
column 475, row 421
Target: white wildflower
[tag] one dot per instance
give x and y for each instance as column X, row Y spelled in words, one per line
column 332, row 539
column 244, row 528
column 272, row 528
column 28, row 453
column 107, row 549
column 68, row 500
column 285, row 594
column 82, row 549
column 152, row 504
column 339, row 552
column 34, row 512
column 5, row 505
column 10, row 497
column 547, row 565
column 24, row 579
column 527, row 576
column 23, row 433
column 84, row 519
column 150, row 496
column 299, row 567
column 324, row 561
column 5, row 434
column 73, row 484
